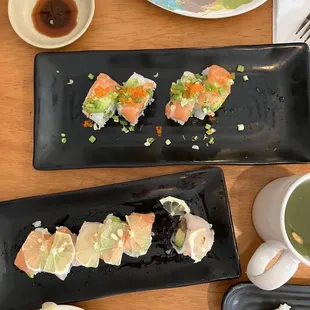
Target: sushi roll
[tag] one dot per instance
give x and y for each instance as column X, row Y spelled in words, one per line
column 217, row 84
column 135, row 95
column 193, row 237
column 112, row 238
column 138, row 239
column 184, row 95
column 100, row 102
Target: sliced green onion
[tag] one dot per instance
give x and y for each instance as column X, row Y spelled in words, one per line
column 212, row 140
column 123, row 122
column 222, row 91
column 124, row 129
column 245, row 78
column 240, row 68
column 195, row 147
column 115, row 118
column 206, row 100
column 240, row 127
column 138, row 100
column 211, row 131
column 233, row 75
column 149, row 142
column 194, row 138
column 168, row 142
column 92, row 139
column 64, row 140
column 91, row 76
column 70, row 82
column 208, row 126
column 131, row 128
column 63, row 134
column 205, row 137
column 118, row 87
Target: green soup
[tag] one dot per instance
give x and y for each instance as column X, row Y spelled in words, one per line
column 297, row 219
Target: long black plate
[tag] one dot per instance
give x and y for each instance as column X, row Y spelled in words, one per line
column 206, row 194
column 273, row 105
column 246, row 296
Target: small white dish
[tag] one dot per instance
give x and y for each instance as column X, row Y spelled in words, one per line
column 63, row 307
column 175, row 6
column 20, row 15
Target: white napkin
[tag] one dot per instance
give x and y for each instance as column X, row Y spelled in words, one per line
column 288, row 15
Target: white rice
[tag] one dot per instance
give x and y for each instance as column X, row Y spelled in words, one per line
column 101, row 118
column 37, row 224
column 141, row 81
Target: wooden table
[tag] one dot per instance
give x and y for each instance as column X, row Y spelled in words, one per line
column 131, row 24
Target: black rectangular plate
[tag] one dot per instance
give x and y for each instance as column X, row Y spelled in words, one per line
column 206, row 194
column 246, row 296
column 273, row 105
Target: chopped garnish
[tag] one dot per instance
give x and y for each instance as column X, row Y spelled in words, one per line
column 63, row 140
column 88, row 123
column 156, row 75
column 168, row 142
column 240, row 68
column 195, row 147
column 183, row 137
column 57, row 71
column 96, row 127
column 131, row 128
column 233, row 75
column 118, row 87
column 63, row 134
column 70, row 82
column 194, row 138
column 205, row 137
column 123, row 122
column 240, row 127
column 115, row 118
column 222, row 91
column 149, row 142
column 212, row 140
column 245, row 78
column 211, row 131
column 124, row 129
column 208, row 126
column 92, row 139
column 159, row 131
column 91, row 76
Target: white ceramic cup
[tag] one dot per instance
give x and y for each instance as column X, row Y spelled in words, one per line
column 268, row 217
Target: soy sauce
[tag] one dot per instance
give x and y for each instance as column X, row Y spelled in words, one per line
column 55, row 18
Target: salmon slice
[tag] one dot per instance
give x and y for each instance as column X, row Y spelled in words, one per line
column 134, row 97
column 175, row 111
column 21, row 264
column 217, row 83
column 138, row 238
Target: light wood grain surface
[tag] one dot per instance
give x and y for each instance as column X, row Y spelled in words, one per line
column 131, row 24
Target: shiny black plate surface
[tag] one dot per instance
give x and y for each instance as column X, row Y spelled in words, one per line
column 273, row 105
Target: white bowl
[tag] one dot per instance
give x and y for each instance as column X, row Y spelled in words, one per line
column 20, row 15
column 212, row 14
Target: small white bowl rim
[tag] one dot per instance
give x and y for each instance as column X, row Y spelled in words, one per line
column 52, row 46
column 65, row 307
column 217, row 14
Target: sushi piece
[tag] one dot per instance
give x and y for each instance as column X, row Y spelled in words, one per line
column 61, row 254
column 100, row 102
column 112, row 238
column 87, row 245
column 135, row 95
column 139, row 236
column 184, row 95
column 217, row 87
column 33, row 254
column 193, row 237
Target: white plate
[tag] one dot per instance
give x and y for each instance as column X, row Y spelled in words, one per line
column 20, row 15
column 166, row 4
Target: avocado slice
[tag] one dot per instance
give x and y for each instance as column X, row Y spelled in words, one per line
column 99, row 105
column 179, row 236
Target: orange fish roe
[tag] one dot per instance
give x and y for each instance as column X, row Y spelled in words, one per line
column 159, row 131
column 132, row 95
column 101, row 91
column 88, row 123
